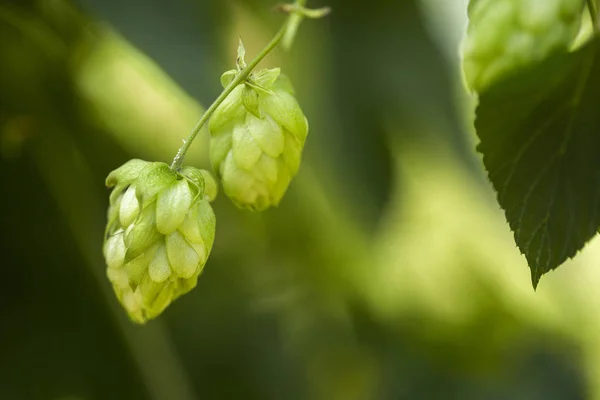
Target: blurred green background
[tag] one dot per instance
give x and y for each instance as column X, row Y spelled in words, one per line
column 388, row 271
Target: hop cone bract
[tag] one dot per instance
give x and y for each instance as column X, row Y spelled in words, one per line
column 258, row 134
column 159, row 234
column 505, row 35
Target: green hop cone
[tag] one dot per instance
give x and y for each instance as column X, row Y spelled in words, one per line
column 506, row 35
column 159, row 234
column 258, row 134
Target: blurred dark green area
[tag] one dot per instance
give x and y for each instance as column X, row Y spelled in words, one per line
column 386, row 273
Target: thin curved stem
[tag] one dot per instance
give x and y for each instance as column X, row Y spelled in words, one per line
column 292, row 24
column 241, row 77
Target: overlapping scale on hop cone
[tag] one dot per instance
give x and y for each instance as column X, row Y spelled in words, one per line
column 258, row 134
column 506, row 35
column 160, row 232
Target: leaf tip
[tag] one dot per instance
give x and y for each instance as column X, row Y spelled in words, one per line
column 536, row 275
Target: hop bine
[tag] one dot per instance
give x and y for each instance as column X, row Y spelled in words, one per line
column 159, row 234
column 258, row 134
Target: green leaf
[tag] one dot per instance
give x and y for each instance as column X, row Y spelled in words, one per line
column 207, row 222
column 153, row 179
column 241, row 56
column 142, row 235
column 129, row 207
column 227, row 77
column 266, row 77
column 250, row 101
column 184, row 260
column 540, row 140
column 195, row 177
column 210, row 185
column 126, row 173
column 172, row 205
column 258, row 88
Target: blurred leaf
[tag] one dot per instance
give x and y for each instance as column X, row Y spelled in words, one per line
column 539, row 138
column 401, row 70
column 135, row 100
column 183, row 37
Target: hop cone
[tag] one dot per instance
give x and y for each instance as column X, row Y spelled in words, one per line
column 258, row 134
column 159, row 234
column 506, row 35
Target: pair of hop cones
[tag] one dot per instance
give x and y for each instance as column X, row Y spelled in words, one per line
column 161, row 226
